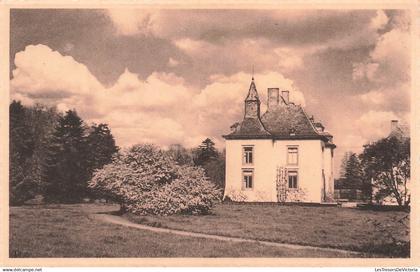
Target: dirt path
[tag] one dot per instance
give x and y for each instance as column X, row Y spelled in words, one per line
column 124, row 222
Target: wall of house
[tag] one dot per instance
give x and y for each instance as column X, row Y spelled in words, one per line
column 328, row 171
column 268, row 155
column 264, row 188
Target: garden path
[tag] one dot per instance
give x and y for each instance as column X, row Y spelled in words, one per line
column 124, row 222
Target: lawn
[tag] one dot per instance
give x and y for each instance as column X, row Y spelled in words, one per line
column 332, row 227
column 72, row 231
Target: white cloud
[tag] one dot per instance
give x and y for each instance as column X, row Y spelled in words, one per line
column 374, row 97
column 160, row 109
column 389, row 62
column 191, row 46
column 387, row 72
column 133, row 21
column 379, row 21
column 173, row 62
column 289, row 59
column 47, row 72
column 374, row 125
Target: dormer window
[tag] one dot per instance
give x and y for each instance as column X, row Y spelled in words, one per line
column 248, row 156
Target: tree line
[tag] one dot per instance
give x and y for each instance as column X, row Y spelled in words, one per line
column 380, row 171
column 55, row 154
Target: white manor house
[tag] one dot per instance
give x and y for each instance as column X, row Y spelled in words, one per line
column 281, row 155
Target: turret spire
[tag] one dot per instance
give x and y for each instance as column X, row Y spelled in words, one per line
column 252, row 102
column 252, row 93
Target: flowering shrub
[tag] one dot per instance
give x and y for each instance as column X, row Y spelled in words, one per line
column 235, row 196
column 146, row 181
column 190, row 193
column 296, row 195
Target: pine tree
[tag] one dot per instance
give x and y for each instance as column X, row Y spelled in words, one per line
column 353, row 176
column 66, row 167
column 41, row 120
column 21, row 145
column 101, row 146
column 205, row 152
column 343, row 165
column 213, row 162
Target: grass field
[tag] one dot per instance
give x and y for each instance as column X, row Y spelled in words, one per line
column 333, row 227
column 71, row 231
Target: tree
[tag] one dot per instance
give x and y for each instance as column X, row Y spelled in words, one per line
column 343, row 165
column 212, row 161
column 215, row 170
column 205, row 152
column 41, row 121
column 387, row 163
column 101, row 146
column 180, row 154
column 21, row 142
column 30, row 132
column 66, row 166
column 353, row 175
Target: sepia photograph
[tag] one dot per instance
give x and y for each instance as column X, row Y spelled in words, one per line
column 209, row 133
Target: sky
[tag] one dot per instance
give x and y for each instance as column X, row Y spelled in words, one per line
column 180, row 76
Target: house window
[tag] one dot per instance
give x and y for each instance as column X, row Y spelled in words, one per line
column 292, row 155
column 247, row 178
column 247, row 155
column 292, row 177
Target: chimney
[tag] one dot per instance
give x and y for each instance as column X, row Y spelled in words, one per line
column 273, row 97
column 394, row 125
column 285, row 95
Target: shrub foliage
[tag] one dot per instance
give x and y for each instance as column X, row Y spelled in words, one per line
column 145, row 180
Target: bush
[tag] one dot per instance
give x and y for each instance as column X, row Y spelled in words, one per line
column 190, row 193
column 144, row 180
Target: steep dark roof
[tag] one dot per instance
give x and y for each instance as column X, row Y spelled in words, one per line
column 250, row 127
column 284, row 121
column 288, row 120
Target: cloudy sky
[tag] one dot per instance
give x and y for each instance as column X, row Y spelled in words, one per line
column 179, row 76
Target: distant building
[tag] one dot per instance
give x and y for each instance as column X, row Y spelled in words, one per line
column 281, row 152
column 397, row 130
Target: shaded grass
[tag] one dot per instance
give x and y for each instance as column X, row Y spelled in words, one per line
column 70, row 231
column 332, row 227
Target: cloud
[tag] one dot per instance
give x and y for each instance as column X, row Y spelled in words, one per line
column 160, row 109
column 386, row 73
column 279, row 39
column 47, row 72
column 379, row 21
column 287, row 26
column 173, row 62
column 373, row 97
column 132, row 21
column 366, row 71
column 374, row 125
column 388, row 63
column 289, row 59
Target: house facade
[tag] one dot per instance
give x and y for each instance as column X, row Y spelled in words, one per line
column 281, row 155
